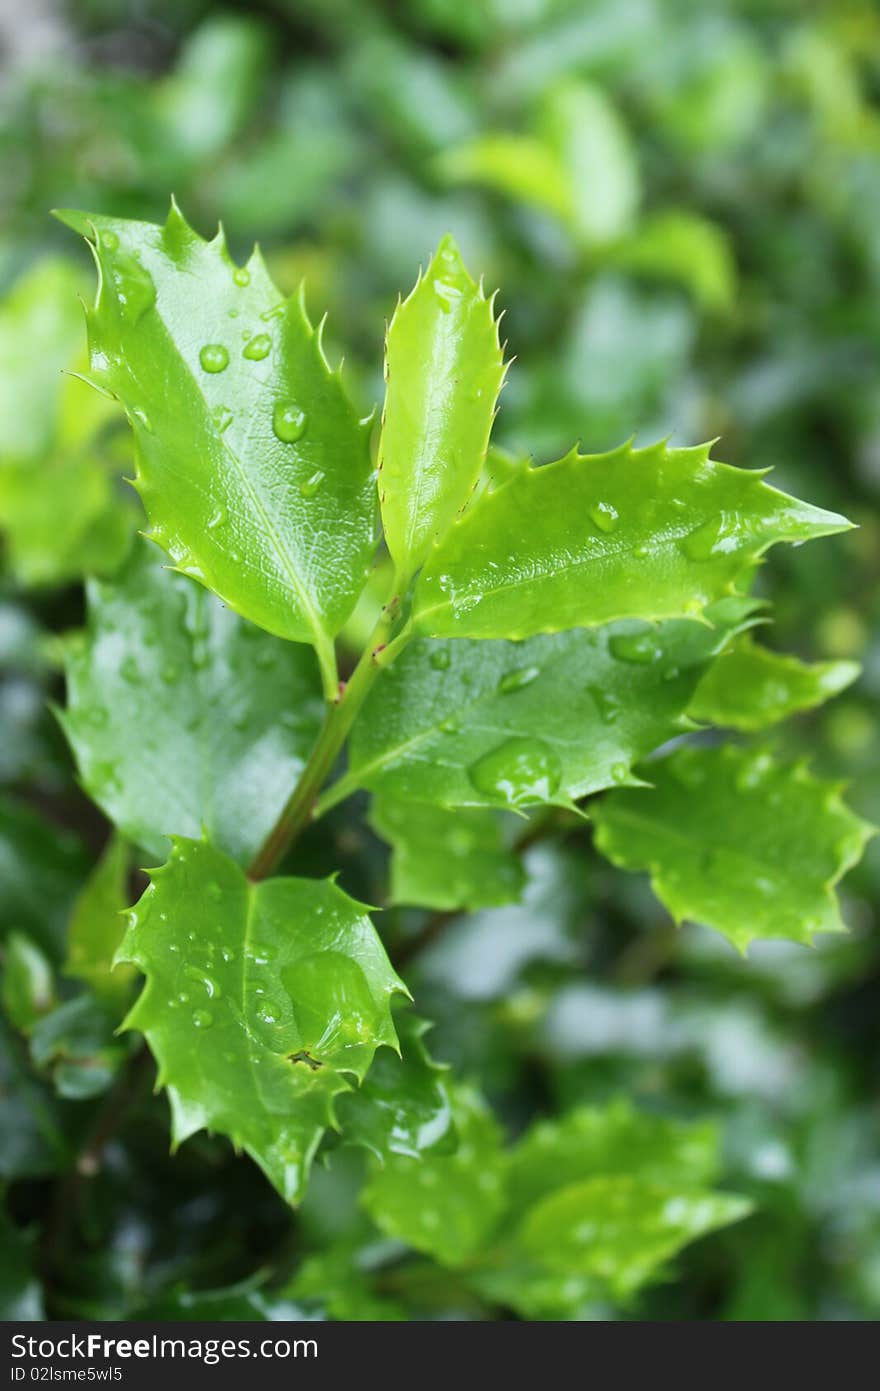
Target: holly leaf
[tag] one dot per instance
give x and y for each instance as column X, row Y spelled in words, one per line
column 446, row 859
column 550, row 719
column 636, row 533
column 749, row 687
column 96, row 926
column 443, row 372
column 633, row 1188
column 737, row 841
column 181, row 716
column 403, row 1106
column 443, row 1205
column 610, row 1234
column 614, row 1139
column 27, row 989
column 262, row 1001
column 251, row 461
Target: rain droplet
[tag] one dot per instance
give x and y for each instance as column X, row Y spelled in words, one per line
column 214, row 357
column 714, row 537
column 618, row 772
column 206, row 982
column 312, row 484
column 447, row 294
column 607, row 704
column 241, row 276
column 109, row 240
column 642, row 550
column 640, row 648
column 227, row 954
column 222, row 417
column 289, row 422
column 450, row 725
column 134, row 287
column 217, row 518
column 604, row 516
column 257, row 347
column 440, row 659
column 202, row 1018
column 517, row 679
column 520, row 770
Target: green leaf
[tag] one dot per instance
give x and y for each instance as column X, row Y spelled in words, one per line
column 547, row 720
column 686, row 249
column 599, row 1199
column 76, row 1044
column 403, row 1106
column 40, row 336
column 261, row 1001
column 444, row 859
column 637, row 533
column 444, row 1205
column 96, row 926
column 27, row 989
column 615, row 1231
column 41, row 869
column 339, row 1278
column 750, row 687
column 182, row 717
column 523, row 167
column 252, row 463
column 444, row 370
column 737, row 841
column 21, row 1299
column 590, row 1142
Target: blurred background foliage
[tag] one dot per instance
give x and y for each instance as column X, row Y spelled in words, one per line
column 680, row 203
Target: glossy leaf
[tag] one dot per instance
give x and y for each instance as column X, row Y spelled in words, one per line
column 638, row 533
column 443, row 372
column 77, row 1045
column 27, row 989
column 97, row 925
column 252, row 464
column 444, row 859
column 615, row 1231
column 749, row 687
column 403, row 1107
column 546, row 720
column 615, row 1139
column 182, row 717
column 261, row 1002
column 737, row 841
column 444, row 1205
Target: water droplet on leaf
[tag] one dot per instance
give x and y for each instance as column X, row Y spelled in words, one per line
column 289, row 422
column 312, row 484
column 202, row 1018
column 520, row 770
column 214, row 357
column 517, row 679
column 604, row 516
column 640, row 648
column 257, row 347
column 440, row 659
column 241, row 276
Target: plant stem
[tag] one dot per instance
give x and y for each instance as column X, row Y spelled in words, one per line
column 299, row 809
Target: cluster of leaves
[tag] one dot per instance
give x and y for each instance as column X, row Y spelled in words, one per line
column 526, row 638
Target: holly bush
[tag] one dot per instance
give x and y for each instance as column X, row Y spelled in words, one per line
column 411, row 824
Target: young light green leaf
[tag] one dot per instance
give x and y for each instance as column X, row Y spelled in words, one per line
column 40, row 336
column 444, row 1205
column 252, row 464
column 27, row 989
column 637, row 533
column 551, row 719
column 737, row 841
column 261, row 1001
column 653, row 1173
column 96, row 926
column 749, row 687
column 443, row 369
column 446, row 859
column 589, row 1142
column 615, row 1231
column 403, row 1106
column 684, row 248
column 182, row 717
